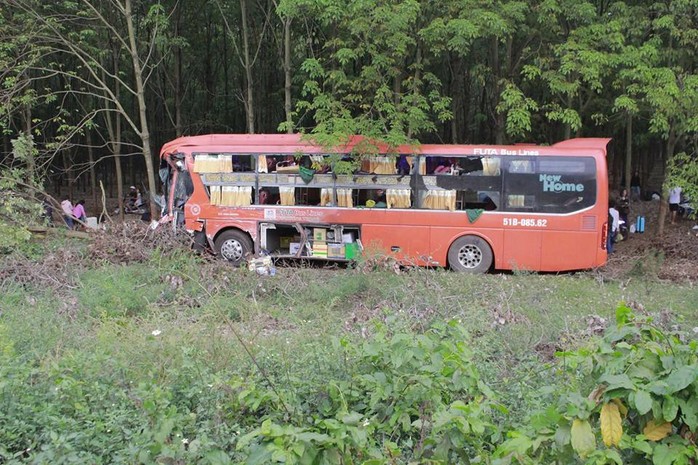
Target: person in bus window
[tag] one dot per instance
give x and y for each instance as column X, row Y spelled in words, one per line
column 263, row 196
column 446, row 166
column 379, row 199
column 402, row 166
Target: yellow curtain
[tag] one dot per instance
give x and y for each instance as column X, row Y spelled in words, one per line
column 440, row 200
column 490, row 166
column 344, row 198
column 231, row 196
column 288, row 195
column 379, row 165
column 398, row 198
column 325, row 196
column 262, row 167
column 225, row 163
column 213, row 164
column 215, row 195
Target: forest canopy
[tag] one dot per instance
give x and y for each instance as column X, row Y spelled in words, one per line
column 94, row 82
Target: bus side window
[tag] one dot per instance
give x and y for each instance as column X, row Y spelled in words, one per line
column 243, row 163
column 520, row 185
column 567, row 184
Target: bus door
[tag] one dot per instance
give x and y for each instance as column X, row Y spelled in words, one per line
column 523, row 235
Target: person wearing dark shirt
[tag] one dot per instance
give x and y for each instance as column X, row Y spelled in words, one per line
column 635, row 186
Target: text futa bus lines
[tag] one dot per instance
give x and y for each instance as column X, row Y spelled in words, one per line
column 470, row 208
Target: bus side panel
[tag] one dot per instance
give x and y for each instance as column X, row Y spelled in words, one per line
column 409, row 244
column 443, row 237
column 522, row 249
column 568, row 250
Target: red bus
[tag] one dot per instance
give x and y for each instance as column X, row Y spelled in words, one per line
column 468, row 207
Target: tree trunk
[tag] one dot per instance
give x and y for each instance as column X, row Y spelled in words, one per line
column 664, row 202
column 247, row 60
column 628, row 151
column 417, row 77
column 178, row 84
column 142, row 110
column 287, row 76
column 93, row 175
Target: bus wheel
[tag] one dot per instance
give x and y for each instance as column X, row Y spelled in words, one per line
column 471, row 254
column 233, row 246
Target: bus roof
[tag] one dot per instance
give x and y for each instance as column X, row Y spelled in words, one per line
column 289, row 143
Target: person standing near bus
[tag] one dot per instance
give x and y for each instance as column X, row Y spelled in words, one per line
column 635, row 186
column 624, row 211
column 674, row 201
column 613, row 225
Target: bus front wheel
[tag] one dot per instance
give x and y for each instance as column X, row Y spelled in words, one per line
column 233, row 246
column 471, row 254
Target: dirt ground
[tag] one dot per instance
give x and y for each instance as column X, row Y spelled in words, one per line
column 673, row 257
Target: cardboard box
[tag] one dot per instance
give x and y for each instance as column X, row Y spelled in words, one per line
column 285, row 242
column 336, row 251
column 294, row 247
column 319, row 234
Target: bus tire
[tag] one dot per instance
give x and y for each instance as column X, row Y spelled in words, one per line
column 233, row 246
column 470, row 254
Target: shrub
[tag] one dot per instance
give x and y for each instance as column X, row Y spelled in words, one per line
column 642, row 402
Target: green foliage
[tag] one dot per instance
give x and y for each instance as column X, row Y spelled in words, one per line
column 19, row 186
column 518, row 109
column 646, row 374
column 391, row 97
column 682, row 171
column 423, row 391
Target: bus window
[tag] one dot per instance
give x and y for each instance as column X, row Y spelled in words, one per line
column 550, row 184
column 566, row 184
column 462, row 183
column 243, row 163
column 520, row 185
column 212, row 163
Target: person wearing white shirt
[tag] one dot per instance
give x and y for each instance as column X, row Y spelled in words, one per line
column 613, row 226
column 674, row 201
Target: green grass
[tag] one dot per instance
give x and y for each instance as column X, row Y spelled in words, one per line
column 181, row 325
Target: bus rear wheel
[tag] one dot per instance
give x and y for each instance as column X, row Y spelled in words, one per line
column 471, row 254
column 233, row 246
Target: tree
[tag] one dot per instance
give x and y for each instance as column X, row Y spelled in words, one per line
column 72, row 28
column 370, row 78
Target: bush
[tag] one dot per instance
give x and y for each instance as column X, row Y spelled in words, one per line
column 636, row 389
